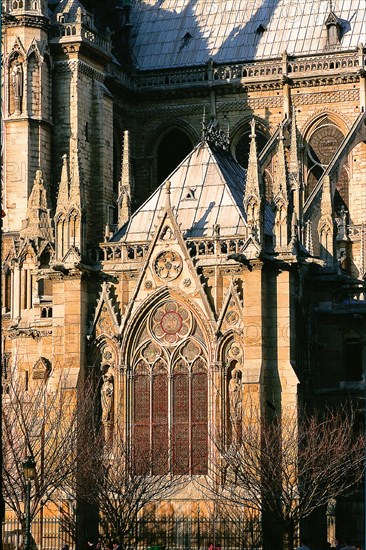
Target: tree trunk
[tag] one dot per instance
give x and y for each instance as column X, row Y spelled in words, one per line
column 288, row 538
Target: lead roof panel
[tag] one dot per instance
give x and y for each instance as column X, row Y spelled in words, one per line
column 190, row 32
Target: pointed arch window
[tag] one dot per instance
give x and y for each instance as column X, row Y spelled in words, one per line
column 170, row 401
column 321, row 146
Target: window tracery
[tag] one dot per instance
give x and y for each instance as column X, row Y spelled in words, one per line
column 321, row 147
column 170, row 392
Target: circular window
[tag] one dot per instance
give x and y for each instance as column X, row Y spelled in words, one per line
column 171, row 322
column 168, row 265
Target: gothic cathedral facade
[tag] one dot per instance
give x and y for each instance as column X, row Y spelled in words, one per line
column 184, row 201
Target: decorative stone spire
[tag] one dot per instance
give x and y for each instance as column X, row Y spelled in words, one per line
column 63, row 190
column 124, row 197
column 69, row 219
column 280, row 176
column 309, row 238
column 37, row 224
column 294, row 157
column 168, row 205
column 75, row 183
column 326, row 224
column 252, row 195
column 280, row 199
column 294, row 172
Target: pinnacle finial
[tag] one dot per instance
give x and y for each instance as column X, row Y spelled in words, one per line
column 39, row 175
column 204, row 123
column 252, row 127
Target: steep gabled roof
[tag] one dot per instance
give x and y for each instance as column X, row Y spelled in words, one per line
column 206, row 189
column 182, row 33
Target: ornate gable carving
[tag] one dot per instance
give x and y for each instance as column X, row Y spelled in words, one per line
column 231, row 315
column 168, row 264
column 41, row 369
column 107, row 316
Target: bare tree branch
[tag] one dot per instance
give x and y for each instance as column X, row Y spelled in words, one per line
column 289, row 468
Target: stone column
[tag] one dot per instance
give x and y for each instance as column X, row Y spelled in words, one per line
column 286, row 90
column 23, row 289
column 362, row 74
column 16, row 293
column 29, row 289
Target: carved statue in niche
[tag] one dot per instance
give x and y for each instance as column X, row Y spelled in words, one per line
column 235, row 395
column 17, row 82
column 107, row 396
column 235, row 404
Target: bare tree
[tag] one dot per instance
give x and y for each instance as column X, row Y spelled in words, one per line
column 289, row 468
column 119, row 483
column 40, row 420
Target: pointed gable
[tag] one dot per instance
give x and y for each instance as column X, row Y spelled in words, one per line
column 107, row 317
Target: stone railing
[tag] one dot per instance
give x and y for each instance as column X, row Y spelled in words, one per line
column 22, row 5
column 210, row 247
column 72, row 31
column 350, row 296
column 198, row 248
column 276, row 69
column 163, row 79
column 322, row 65
column 124, row 253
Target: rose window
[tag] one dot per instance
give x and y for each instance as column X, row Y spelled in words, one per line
column 168, row 265
column 171, row 323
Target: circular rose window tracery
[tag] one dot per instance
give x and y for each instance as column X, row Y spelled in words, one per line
column 168, row 265
column 171, row 322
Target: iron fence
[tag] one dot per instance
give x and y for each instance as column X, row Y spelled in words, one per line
column 47, row 534
column 169, row 533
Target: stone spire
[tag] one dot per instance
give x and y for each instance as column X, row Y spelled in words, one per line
column 252, row 195
column 326, row 224
column 63, row 190
column 37, row 224
column 75, row 183
column 309, row 237
column 294, row 172
column 280, row 198
column 280, row 176
column 124, row 197
column 69, row 219
column 294, row 157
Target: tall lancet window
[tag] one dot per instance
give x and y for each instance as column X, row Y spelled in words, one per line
column 169, row 408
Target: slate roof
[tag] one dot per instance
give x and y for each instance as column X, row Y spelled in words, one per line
column 179, row 33
column 207, row 188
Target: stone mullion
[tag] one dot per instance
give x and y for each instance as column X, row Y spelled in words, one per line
column 190, row 377
column 23, row 289
column 16, row 293
column 29, row 289
column 170, row 417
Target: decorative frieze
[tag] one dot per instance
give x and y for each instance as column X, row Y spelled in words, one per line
column 73, row 65
column 338, row 96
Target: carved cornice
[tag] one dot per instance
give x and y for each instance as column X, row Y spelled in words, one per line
column 75, row 65
column 34, row 333
column 26, row 20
